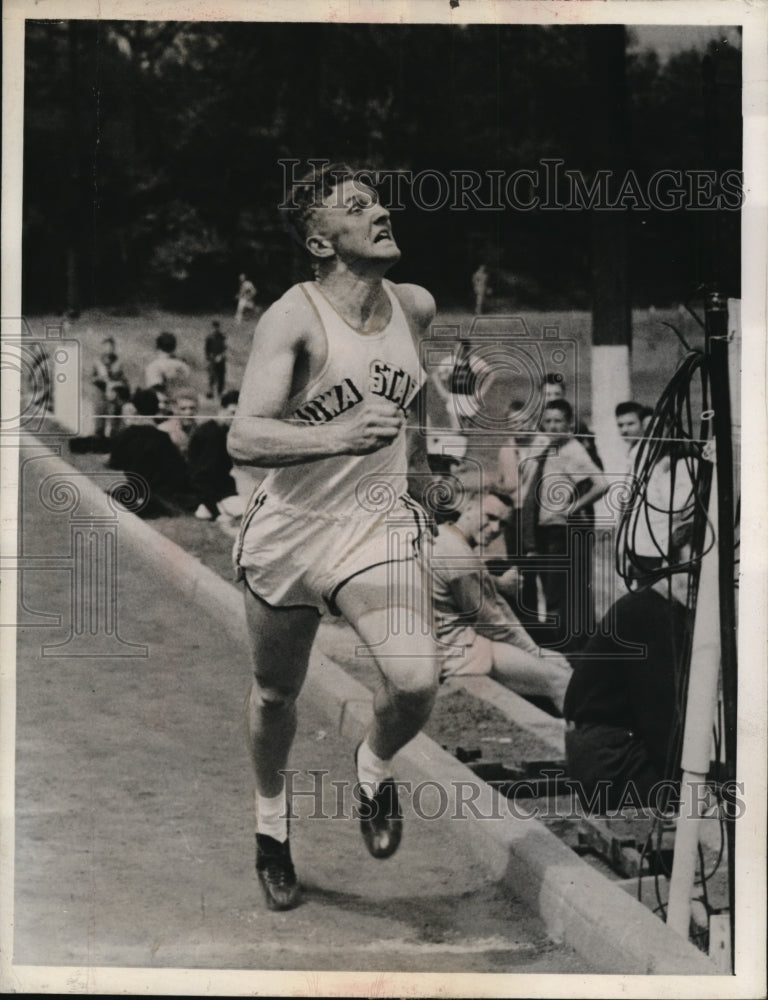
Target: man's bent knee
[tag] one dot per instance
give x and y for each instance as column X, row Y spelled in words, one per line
column 418, row 685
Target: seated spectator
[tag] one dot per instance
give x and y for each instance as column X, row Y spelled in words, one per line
column 621, row 701
column 145, row 450
column 122, row 407
column 210, row 466
column 165, row 369
column 471, row 617
column 182, row 424
column 164, row 405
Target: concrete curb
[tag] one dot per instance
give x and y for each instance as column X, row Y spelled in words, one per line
column 578, row 906
column 549, row 730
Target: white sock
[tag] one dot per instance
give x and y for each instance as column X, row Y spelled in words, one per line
column 371, row 770
column 272, row 816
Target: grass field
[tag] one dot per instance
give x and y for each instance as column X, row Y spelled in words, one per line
column 655, row 349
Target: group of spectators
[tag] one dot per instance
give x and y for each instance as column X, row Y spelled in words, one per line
column 112, row 396
column 155, row 432
column 527, row 616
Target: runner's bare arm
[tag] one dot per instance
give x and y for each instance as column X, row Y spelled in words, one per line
column 419, row 308
column 262, row 435
column 419, row 474
column 418, row 305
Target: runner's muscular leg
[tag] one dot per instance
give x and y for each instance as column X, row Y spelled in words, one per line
column 387, row 607
column 281, row 641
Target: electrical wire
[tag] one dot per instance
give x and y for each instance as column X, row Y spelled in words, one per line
column 670, row 486
column 670, row 480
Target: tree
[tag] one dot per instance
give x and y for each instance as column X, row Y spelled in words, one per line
column 152, row 149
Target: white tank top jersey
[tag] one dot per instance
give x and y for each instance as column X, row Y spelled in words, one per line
column 358, row 367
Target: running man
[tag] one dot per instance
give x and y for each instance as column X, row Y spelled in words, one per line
column 333, row 371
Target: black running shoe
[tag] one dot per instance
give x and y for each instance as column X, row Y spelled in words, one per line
column 381, row 820
column 276, row 873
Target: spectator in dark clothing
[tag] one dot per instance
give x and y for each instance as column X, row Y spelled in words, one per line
column 123, row 408
column 181, row 425
column 621, row 700
column 216, row 360
column 210, row 466
column 146, row 451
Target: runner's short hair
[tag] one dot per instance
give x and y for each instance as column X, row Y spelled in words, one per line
column 307, row 193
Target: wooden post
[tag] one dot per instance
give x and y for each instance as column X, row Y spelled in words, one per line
column 611, row 314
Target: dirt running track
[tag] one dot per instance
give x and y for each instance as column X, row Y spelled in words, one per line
column 134, row 842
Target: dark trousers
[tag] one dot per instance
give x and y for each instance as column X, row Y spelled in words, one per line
column 563, row 563
column 216, row 374
column 612, row 768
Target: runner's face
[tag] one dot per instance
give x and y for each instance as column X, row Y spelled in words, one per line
column 357, row 227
